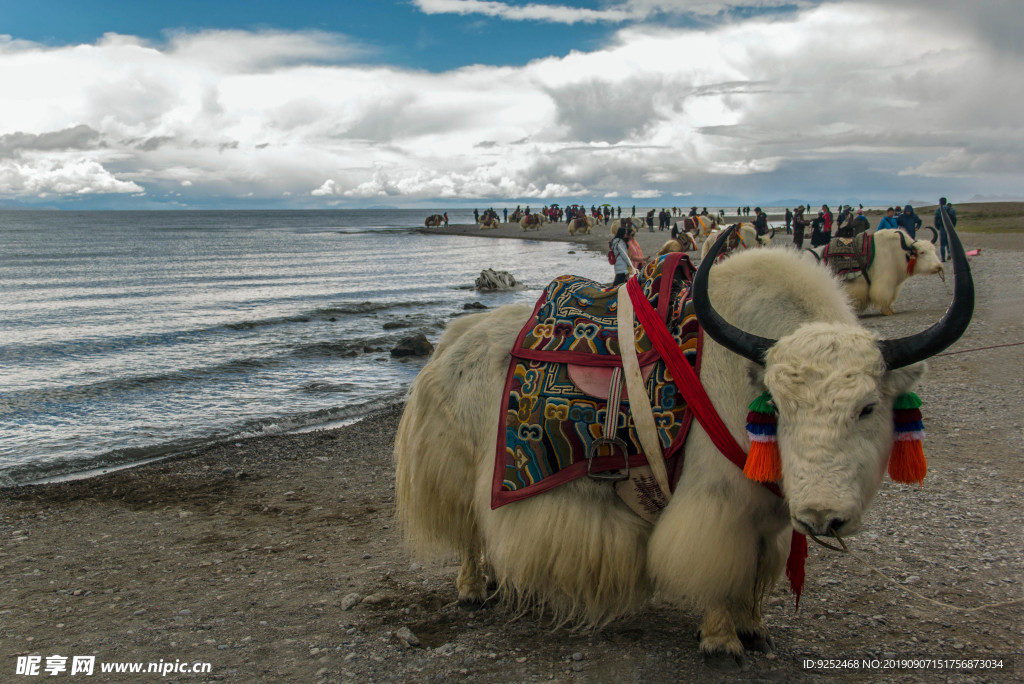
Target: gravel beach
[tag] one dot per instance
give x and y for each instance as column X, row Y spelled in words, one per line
column 276, row 559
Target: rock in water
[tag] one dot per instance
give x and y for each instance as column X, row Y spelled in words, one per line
column 417, row 345
column 490, row 279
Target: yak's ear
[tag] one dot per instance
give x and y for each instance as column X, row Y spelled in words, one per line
column 903, row 380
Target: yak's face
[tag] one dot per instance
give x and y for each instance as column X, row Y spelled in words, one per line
column 927, row 259
column 834, row 401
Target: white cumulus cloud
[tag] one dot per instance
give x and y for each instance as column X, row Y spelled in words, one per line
column 614, row 13
column 77, row 177
column 825, row 96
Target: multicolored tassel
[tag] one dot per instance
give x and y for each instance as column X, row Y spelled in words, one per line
column 907, row 462
column 763, row 461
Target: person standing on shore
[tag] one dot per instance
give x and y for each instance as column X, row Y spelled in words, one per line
column 819, row 236
column 760, row 222
column 826, row 215
column 620, row 249
column 909, row 221
column 888, row 221
column 636, row 254
column 446, row 219
column 940, row 225
column 789, row 220
column 505, row 210
column 798, row 227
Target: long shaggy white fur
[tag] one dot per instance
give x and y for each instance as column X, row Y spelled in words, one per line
column 722, row 541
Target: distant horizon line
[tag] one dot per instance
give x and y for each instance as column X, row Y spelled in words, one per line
column 470, row 208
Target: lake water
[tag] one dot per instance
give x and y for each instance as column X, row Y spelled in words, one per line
column 129, row 335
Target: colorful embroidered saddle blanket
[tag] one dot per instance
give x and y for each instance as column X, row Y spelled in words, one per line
column 556, row 390
column 849, row 257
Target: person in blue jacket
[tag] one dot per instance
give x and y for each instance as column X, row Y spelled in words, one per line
column 889, row 220
column 940, row 226
column 909, row 221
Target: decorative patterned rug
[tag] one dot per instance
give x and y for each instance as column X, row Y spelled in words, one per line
column 558, row 380
column 848, row 257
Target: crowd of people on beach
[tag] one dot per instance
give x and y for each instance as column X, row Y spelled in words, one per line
column 605, row 213
column 845, row 222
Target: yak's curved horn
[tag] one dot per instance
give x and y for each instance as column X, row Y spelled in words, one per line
column 773, row 232
column 903, row 242
column 935, row 233
column 816, row 255
column 907, row 350
column 732, row 338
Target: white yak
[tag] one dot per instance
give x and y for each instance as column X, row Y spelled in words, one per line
column 722, row 541
column 531, row 221
column 897, row 257
column 745, row 237
column 580, row 224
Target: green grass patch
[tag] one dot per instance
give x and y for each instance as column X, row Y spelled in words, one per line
column 978, row 217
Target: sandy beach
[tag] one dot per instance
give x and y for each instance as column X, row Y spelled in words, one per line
column 276, row 559
column 597, row 240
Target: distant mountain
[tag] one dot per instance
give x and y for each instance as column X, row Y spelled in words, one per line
column 15, row 205
column 852, row 202
column 996, row 198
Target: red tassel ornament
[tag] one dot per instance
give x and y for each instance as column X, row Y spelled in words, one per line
column 764, row 463
column 795, row 565
column 906, row 461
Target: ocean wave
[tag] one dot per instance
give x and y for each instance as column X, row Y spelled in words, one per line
column 20, row 402
column 261, row 323
column 37, row 472
column 88, row 346
column 321, row 387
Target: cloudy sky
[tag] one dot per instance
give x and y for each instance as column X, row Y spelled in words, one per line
column 196, row 104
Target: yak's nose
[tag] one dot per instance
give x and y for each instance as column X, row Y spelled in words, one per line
column 819, row 521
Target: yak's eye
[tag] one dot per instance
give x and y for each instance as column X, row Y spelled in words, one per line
column 867, row 410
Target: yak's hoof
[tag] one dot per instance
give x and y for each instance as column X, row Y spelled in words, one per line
column 472, row 605
column 723, row 661
column 752, row 641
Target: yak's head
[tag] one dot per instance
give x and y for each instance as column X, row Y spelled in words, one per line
column 833, row 385
column 925, row 259
column 833, row 397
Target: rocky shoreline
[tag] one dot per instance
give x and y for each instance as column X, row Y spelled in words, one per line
column 276, row 559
